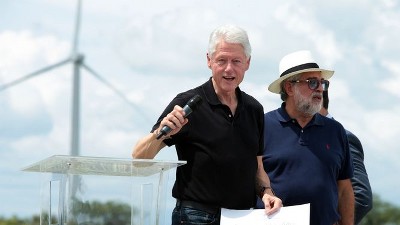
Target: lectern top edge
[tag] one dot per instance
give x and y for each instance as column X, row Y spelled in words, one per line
column 87, row 165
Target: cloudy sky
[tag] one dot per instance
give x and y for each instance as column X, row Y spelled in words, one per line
column 151, row 50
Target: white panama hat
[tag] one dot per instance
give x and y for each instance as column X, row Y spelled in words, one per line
column 295, row 63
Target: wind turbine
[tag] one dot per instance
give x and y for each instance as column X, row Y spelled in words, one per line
column 77, row 59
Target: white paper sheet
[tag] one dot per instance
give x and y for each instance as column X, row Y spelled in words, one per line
column 290, row 215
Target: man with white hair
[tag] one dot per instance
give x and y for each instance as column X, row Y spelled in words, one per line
column 306, row 155
column 222, row 142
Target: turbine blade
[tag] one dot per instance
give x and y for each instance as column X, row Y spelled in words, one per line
column 33, row 74
column 119, row 93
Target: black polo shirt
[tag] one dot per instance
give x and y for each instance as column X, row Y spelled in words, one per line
column 220, row 149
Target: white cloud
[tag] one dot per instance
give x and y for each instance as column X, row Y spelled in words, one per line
column 392, row 83
column 390, row 3
column 381, row 126
column 20, row 48
column 166, row 40
column 299, row 19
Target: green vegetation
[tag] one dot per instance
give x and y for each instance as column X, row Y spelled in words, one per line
column 110, row 213
column 35, row 220
column 93, row 213
column 382, row 213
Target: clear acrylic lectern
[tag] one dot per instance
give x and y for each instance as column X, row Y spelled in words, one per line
column 99, row 191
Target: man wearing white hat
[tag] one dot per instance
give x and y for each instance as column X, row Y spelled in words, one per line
column 306, row 155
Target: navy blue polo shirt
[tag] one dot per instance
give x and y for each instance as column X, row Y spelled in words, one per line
column 304, row 164
column 220, row 149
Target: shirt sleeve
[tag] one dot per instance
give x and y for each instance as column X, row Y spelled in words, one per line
column 360, row 181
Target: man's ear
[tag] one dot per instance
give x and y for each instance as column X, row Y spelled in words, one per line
column 288, row 86
column 208, row 61
column 248, row 63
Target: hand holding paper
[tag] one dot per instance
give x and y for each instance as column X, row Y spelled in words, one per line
column 290, row 215
column 272, row 204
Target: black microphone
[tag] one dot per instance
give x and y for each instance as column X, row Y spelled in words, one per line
column 188, row 108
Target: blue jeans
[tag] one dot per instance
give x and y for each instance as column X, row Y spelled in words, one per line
column 189, row 216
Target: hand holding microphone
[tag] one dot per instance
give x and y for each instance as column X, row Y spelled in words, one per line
column 190, row 106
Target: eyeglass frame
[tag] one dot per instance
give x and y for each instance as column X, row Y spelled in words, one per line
column 324, row 83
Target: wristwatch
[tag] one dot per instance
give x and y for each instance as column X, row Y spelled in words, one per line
column 263, row 190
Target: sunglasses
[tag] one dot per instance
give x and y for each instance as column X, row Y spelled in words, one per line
column 313, row 83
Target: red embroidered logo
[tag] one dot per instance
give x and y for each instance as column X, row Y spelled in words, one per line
column 328, row 147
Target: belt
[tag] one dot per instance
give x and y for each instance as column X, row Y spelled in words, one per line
column 197, row 205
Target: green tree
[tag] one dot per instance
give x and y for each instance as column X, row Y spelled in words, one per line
column 93, row 213
column 382, row 213
column 109, row 213
column 14, row 220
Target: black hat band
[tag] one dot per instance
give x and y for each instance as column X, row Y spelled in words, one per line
column 300, row 67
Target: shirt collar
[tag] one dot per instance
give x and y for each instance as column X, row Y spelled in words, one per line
column 212, row 97
column 283, row 116
column 329, row 116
